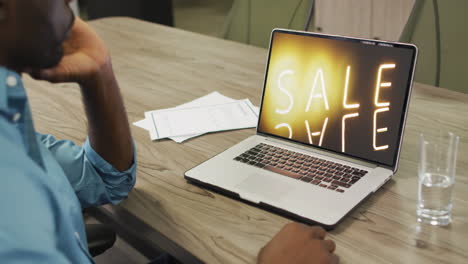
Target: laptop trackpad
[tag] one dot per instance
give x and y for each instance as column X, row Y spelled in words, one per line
column 260, row 187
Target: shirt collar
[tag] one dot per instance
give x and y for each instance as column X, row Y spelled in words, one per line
column 11, row 86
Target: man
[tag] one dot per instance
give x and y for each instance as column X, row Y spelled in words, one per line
column 45, row 182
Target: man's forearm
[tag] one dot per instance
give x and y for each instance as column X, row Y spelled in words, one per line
column 108, row 128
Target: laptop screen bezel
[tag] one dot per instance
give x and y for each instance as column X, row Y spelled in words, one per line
column 363, row 41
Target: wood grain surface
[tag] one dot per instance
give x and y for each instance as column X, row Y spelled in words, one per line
column 160, row 67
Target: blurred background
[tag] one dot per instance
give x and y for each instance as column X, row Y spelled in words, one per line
column 438, row 27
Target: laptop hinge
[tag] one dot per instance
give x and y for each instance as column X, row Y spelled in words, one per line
column 321, row 152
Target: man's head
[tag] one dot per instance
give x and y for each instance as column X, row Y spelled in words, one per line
column 32, row 32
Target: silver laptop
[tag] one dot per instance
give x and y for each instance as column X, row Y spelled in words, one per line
column 330, row 127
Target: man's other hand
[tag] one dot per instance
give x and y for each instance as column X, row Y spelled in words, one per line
column 85, row 58
column 298, row 243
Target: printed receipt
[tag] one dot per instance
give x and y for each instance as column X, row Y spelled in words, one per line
column 175, row 122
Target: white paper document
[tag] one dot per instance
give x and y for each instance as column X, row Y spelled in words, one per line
column 201, row 119
column 144, row 123
column 211, row 99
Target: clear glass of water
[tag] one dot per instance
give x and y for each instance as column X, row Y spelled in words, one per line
column 437, row 169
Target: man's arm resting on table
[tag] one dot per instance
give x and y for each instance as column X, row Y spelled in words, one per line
column 94, row 180
column 109, row 132
column 87, row 62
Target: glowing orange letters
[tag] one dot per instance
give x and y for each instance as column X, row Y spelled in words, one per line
column 286, row 126
column 378, row 130
column 281, row 87
column 321, row 93
column 346, row 106
column 345, row 97
column 343, row 129
column 381, row 84
column 384, row 106
column 316, row 134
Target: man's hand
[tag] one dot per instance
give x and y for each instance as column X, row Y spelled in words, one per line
column 86, row 61
column 298, row 243
column 85, row 58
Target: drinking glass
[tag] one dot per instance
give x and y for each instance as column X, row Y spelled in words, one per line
column 437, row 169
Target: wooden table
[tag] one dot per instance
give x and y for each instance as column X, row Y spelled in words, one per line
column 160, row 67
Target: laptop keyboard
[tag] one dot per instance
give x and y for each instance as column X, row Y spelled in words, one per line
column 323, row 173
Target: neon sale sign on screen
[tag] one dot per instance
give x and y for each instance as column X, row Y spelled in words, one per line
column 342, row 96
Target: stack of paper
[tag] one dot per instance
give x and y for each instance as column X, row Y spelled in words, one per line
column 211, row 113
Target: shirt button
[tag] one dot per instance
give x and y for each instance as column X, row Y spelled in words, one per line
column 16, row 117
column 11, row 81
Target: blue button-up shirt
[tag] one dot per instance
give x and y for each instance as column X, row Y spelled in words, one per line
column 45, row 183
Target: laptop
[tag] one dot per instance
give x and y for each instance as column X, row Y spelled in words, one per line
column 330, row 127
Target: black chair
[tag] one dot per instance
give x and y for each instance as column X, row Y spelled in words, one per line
column 157, row 11
column 100, row 238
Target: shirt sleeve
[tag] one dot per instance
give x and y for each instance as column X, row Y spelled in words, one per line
column 94, row 180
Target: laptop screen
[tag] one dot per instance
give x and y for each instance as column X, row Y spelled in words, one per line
column 339, row 94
